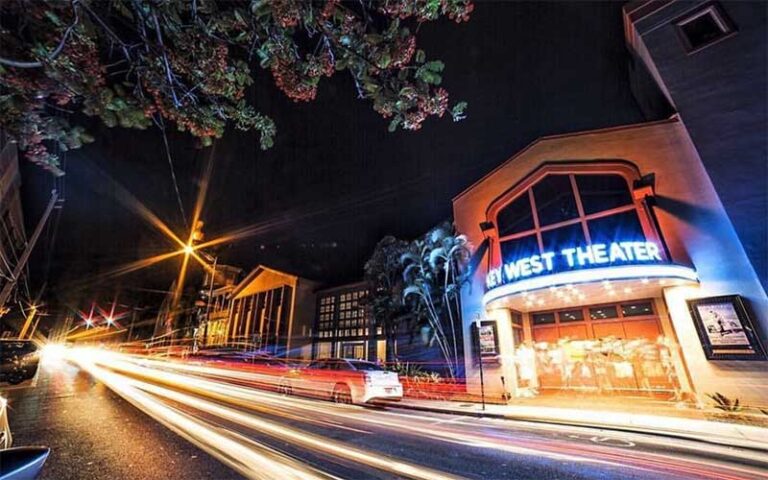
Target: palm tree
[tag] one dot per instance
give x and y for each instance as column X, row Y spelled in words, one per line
column 434, row 271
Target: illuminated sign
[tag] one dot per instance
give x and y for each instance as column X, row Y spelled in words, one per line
column 487, row 338
column 575, row 258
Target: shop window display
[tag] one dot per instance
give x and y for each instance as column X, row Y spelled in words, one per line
column 602, row 366
column 619, row 349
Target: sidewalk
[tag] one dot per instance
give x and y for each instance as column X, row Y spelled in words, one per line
column 722, row 433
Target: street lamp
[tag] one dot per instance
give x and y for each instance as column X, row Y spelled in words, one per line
column 478, row 323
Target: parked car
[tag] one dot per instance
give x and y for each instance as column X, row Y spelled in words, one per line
column 18, row 360
column 344, row 380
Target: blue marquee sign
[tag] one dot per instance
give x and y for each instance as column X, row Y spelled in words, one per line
column 575, row 258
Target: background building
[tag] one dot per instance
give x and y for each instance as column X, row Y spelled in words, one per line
column 213, row 311
column 272, row 311
column 343, row 327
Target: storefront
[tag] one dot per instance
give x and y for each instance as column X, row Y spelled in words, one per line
column 610, row 268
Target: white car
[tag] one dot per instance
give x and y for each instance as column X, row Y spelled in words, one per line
column 345, row 380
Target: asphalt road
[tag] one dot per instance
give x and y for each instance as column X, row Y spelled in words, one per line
column 113, row 417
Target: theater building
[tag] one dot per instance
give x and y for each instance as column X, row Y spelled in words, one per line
column 610, row 267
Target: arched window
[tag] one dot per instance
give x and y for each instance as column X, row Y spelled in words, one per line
column 564, row 207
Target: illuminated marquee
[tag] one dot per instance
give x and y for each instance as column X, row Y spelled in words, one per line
column 574, row 258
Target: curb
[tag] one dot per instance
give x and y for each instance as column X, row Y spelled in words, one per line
column 690, row 436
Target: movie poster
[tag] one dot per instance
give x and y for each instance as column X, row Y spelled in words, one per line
column 722, row 325
column 487, row 340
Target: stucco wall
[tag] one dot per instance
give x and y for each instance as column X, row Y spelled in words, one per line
column 692, row 221
column 720, row 93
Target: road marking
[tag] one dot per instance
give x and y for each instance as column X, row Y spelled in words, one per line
column 614, row 442
column 450, row 420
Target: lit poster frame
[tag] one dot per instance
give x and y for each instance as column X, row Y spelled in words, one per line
column 486, row 340
column 725, row 328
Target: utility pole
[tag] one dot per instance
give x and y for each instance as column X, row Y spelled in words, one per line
column 8, row 287
column 208, row 303
column 133, row 320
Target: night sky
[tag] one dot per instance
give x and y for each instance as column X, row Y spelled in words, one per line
column 336, row 181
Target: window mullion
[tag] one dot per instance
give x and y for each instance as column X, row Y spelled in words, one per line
column 535, row 214
column 580, row 208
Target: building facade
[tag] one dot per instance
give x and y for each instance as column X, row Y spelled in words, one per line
column 213, row 309
column 610, row 267
column 708, row 61
column 344, row 327
column 271, row 311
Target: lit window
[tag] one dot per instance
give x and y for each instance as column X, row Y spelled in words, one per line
column 543, row 318
column 570, row 210
column 620, row 227
column 602, row 313
column 603, row 192
column 516, row 217
column 704, row 27
column 571, row 316
column 555, row 202
column 638, row 309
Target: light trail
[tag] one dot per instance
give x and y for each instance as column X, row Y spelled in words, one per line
column 96, row 363
column 309, row 409
column 192, row 386
column 256, row 463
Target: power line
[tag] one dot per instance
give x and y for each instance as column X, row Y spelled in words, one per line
column 161, row 125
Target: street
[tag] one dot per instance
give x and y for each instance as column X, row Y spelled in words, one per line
column 104, row 413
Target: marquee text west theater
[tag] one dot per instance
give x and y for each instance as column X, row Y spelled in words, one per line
column 610, row 267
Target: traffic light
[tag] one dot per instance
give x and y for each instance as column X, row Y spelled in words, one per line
column 197, row 233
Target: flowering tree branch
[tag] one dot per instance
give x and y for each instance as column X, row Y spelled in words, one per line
column 135, row 63
column 56, row 51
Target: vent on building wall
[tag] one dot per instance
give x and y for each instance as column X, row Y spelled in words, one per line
column 704, row 27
